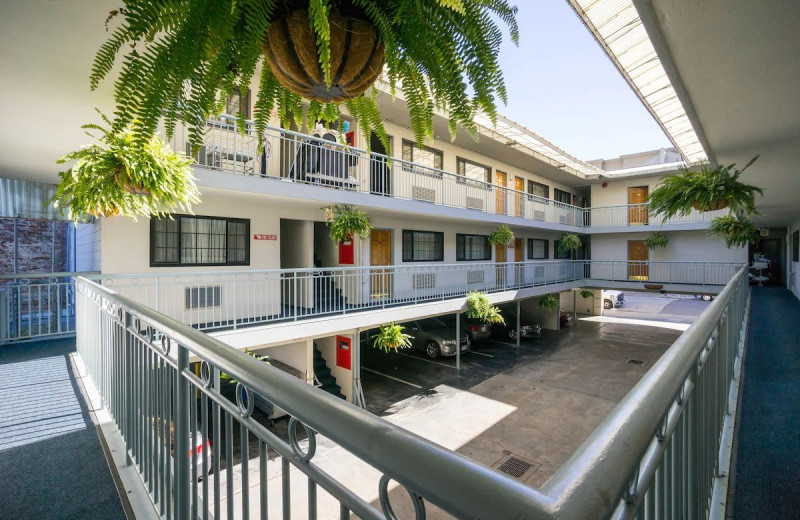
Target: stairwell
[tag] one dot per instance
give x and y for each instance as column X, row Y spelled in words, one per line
column 323, row 374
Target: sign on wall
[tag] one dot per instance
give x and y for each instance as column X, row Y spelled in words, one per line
column 265, row 237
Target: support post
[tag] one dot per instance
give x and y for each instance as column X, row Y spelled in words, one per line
column 519, row 332
column 458, row 341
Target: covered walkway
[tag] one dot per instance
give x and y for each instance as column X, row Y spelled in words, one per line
column 768, row 455
column 53, row 465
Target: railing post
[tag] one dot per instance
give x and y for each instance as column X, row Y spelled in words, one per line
column 294, row 295
column 157, row 293
column 458, row 341
column 235, row 304
column 128, row 416
column 182, row 403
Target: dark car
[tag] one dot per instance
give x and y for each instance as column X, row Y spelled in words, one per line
column 474, row 329
column 508, row 330
column 565, row 318
column 435, row 338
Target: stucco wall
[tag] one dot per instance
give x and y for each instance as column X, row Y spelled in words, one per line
column 530, row 311
column 344, row 377
column 684, row 246
column 616, row 193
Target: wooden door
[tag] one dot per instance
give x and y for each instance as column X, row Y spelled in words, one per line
column 380, row 254
column 519, row 186
column 519, row 255
column 638, row 255
column 637, row 211
column 500, row 202
column 500, row 258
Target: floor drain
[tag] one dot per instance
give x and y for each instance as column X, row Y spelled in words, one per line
column 636, row 362
column 515, row 467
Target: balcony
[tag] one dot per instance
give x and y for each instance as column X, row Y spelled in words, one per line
column 316, row 161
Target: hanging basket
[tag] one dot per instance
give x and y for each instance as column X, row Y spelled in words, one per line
column 357, row 56
column 714, row 206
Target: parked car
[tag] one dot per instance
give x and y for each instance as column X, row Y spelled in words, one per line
column 435, row 338
column 565, row 318
column 508, row 330
column 474, row 329
column 612, row 299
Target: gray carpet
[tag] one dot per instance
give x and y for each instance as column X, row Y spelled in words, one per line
column 768, row 457
column 52, row 465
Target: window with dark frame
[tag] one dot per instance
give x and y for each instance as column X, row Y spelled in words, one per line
column 472, row 170
column 538, row 249
column 238, row 103
column 538, row 189
column 423, row 246
column 194, row 240
column 566, row 255
column 473, row 247
column 425, row 156
column 562, row 196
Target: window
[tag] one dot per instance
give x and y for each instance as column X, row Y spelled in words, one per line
column 566, row 255
column 425, row 156
column 236, row 103
column 539, row 189
column 562, row 196
column 538, row 249
column 473, row 247
column 473, row 170
column 423, row 246
column 199, row 241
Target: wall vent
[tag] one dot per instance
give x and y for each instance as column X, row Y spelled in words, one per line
column 202, row 297
column 538, row 214
column 425, row 281
column 474, row 203
column 426, row 194
column 475, row 276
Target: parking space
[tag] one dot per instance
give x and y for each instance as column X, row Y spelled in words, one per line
column 670, row 308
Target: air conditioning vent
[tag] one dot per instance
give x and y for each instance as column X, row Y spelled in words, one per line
column 425, row 281
column 202, row 297
column 538, row 214
column 426, row 194
column 474, row 203
column 475, row 276
column 562, row 219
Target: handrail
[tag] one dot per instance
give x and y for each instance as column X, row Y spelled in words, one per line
column 59, row 274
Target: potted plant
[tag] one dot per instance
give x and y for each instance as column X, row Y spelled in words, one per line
column 479, row 307
column 348, row 222
column 391, row 338
column 737, row 229
column 501, row 236
column 586, row 294
column 119, row 176
column 708, row 189
column 443, row 53
column 569, row 243
column 657, row 239
column 548, row 302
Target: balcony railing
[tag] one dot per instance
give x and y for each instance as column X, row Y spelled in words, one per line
column 301, row 158
column 662, row 452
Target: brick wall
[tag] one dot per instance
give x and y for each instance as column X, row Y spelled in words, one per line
column 37, row 252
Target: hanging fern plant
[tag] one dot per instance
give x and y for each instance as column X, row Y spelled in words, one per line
column 586, row 294
column 708, row 189
column 657, row 239
column 347, row 222
column 391, row 338
column 736, row 229
column 569, row 243
column 119, row 176
column 549, row 302
column 479, row 307
column 181, row 58
column 501, row 236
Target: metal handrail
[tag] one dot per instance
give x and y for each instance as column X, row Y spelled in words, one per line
column 60, row 274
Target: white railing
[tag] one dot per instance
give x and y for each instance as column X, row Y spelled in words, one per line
column 638, row 215
column 687, row 273
column 36, row 305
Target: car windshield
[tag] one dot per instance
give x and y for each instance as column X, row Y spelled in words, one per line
column 430, row 324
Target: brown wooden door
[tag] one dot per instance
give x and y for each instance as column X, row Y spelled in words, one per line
column 519, row 185
column 638, row 255
column 380, row 253
column 500, row 203
column 637, row 212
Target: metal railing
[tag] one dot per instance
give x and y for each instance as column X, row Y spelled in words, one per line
column 214, row 300
column 36, row 305
column 661, row 453
column 639, row 215
column 688, row 273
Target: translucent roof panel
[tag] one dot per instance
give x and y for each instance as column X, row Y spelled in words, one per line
column 619, row 30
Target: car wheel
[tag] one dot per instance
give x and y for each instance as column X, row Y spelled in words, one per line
column 432, row 349
column 512, row 334
column 607, row 304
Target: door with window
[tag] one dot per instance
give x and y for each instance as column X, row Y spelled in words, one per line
column 500, row 202
column 638, row 256
column 637, row 209
column 519, row 186
column 380, row 254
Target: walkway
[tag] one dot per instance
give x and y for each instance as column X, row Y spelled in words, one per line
column 53, row 466
column 768, row 467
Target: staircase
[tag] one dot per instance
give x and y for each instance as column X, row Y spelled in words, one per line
column 327, row 297
column 323, row 374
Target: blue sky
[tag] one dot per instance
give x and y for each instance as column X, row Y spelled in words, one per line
column 562, row 86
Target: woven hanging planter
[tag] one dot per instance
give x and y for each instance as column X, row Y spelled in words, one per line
column 357, row 56
column 720, row 204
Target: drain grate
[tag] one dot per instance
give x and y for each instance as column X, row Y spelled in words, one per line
column 636, row 362
column 515, row 467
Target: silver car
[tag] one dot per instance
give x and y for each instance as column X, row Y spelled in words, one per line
column 433, row 337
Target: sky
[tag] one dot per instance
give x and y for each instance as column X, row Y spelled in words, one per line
column 563, row 87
